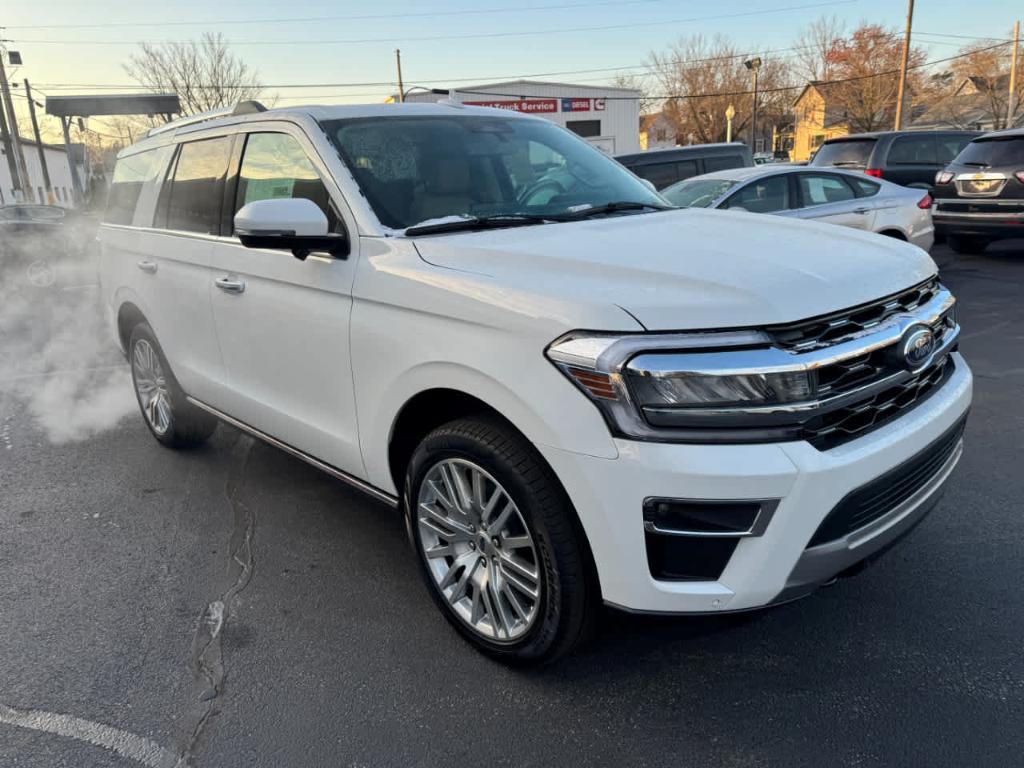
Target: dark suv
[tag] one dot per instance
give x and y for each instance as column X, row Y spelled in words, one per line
column 664, row 167
column 980, row 195
column 908, row 158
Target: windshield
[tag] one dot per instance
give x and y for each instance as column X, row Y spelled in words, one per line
column 697, row 193
column 421, row 169
column 851, row 153
column 993, row 152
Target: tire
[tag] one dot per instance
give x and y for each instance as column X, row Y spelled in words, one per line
column 173, row 421
column 966, row 245
column 563, row 614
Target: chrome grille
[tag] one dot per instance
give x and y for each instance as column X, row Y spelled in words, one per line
column 831, row 329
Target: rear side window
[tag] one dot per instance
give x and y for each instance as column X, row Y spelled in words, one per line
column 723, row 163
column 912, row 150
column 762, row 196
column 276, row 166
column 821, row 189
column 193, row 199
column 864, row 188
column 993, row 152
column 131, row 174
column 662, row 175
column 851, row 153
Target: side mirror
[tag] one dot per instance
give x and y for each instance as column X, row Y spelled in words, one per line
column 289, row 224
column 649, row 184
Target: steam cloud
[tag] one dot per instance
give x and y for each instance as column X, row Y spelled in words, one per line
column 57, row 357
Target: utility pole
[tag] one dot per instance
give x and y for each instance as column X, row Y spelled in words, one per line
column 21, row 180
column 76, row 185
column 401, row 87
column 903, row 68
column 753, row 65
column 1011, row 103
column 39, row 144
column 12, row 164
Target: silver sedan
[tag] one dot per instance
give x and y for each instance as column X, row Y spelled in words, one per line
column 838, row 197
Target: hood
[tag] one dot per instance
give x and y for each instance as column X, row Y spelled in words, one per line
column 692, row 268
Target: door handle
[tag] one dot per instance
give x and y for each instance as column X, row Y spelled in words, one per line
column 149, row 267
column 861, row 210
column 229, row 285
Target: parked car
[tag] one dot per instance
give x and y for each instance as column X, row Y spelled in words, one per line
column 907, row 158
column 26, row 228
column 835, row 197
column 664, row 167
column 979, row 197
column 574, row 395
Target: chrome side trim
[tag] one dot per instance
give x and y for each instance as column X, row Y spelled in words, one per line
column 355, row 482
column 757, row 527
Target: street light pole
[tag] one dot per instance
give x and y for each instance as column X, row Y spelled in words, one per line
column 1011, row 102
column 753, row 65
column 401, row 88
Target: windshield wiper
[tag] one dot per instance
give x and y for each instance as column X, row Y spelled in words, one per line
column 478, row 222
column 845, row 163
column 621, row 205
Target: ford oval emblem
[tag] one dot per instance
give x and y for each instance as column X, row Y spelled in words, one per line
column 917, row 346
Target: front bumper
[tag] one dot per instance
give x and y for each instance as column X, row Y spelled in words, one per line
column 609, row 495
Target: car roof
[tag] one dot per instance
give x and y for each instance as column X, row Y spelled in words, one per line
column 771, row 169
column 167, row 133
column 691, row 149
column 875, row 135
column 1009, row 133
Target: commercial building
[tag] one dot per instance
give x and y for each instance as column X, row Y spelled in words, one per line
column 58, row 167
column 608, row 118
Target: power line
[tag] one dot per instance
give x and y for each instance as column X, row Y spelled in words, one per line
column 363, row 17
column 474, row 36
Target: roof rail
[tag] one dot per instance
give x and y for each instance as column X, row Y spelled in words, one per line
column 241, row 108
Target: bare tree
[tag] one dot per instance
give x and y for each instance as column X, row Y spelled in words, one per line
column 813, row 45
column 704, row 77
column 638, row 83
column 978, row 85
column 204, row 73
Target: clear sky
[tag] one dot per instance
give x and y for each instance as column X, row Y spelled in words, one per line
column 440, row 41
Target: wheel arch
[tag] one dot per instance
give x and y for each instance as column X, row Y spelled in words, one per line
column 894, row 233
column 128, row 316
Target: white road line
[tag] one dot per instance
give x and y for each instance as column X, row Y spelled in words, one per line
column 136, row 748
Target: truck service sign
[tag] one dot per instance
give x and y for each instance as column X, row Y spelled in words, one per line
column 532, row 106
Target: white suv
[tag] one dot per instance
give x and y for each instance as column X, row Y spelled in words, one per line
column 574, row 394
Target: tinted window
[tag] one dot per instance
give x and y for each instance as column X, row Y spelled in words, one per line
column 948, row 147
column 993, row 152
column 276, row 166
column 588, row 129
column 662, row 175
column 852, row 153
column 820, row 189
column 196, row 191
column 912, row 150
column 762, row 196
column 697, row 193
column 130, row 175
column 723, row 163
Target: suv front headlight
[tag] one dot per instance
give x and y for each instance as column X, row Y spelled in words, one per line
column 678, row 387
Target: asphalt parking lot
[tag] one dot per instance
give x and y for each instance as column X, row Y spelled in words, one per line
column 234, row 607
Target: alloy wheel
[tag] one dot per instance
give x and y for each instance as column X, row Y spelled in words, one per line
column 479, row 550
column 151, row 386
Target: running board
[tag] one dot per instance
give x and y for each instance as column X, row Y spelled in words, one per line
column 355, row 482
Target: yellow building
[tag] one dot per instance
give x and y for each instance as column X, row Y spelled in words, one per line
column 814, row 123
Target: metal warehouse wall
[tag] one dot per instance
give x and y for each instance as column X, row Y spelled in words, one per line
column 620, row 117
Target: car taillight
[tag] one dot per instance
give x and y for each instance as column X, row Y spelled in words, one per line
column 925, row 202
column 944, row 177
column 1020, row 176
column 876, row 172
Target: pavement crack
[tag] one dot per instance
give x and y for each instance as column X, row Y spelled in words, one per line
column 207, row 656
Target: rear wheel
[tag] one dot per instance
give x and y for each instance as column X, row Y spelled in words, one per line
column 967, row 245
column 171, row 419
column 499, row 544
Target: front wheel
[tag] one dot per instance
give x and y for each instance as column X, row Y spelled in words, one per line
column 171, row 419
column 500, row 547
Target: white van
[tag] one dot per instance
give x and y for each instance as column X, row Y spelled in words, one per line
column 574, row 394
